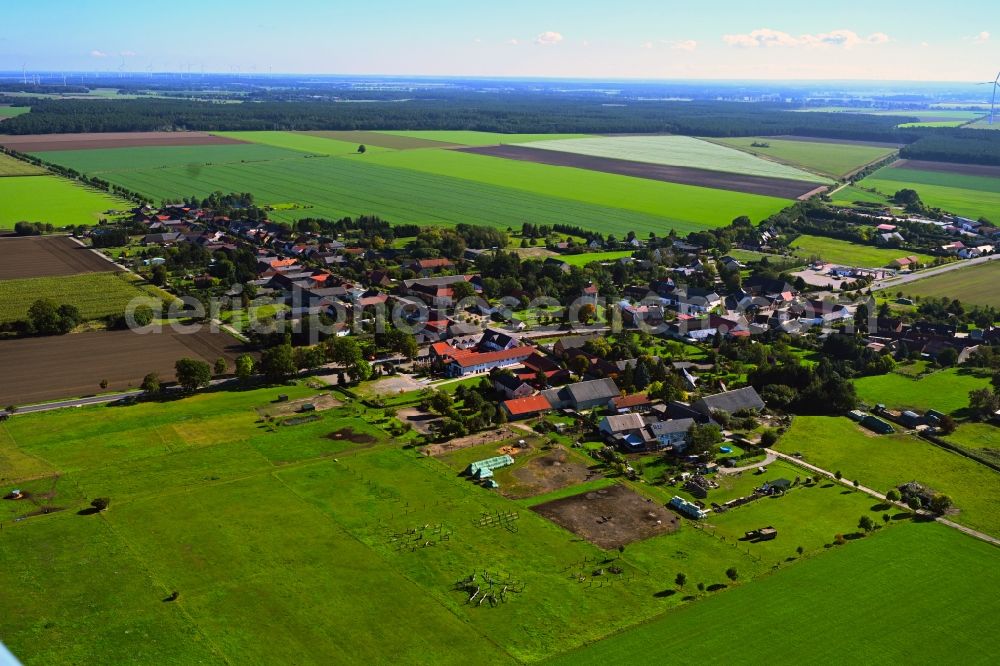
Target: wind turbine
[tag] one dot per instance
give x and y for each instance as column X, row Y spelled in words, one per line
column 993, row 98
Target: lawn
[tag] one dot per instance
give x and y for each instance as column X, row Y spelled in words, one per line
column 54, row 200
column 469, row 138
column 882, row 462
column 831, row 159
column 971, row 196
column 823, row 605
column 334, row 187
column 97, row 295
column 851, row 195
column 11, row 111
column 851, row 254
column 974, row 285
column 105, row 161
column 682, row 207
column 588, row 257
column 934, row 123
column 945, row 390
column 11, row 166
column 682, row 151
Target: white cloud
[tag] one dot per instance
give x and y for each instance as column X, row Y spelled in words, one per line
column 98, row 54
column 686, row 45
column 924, row 45
column 513, row 41
column 477, row 40
column 548, row 38
column 127, row 54
column 647, row 45
column 768, row 38
column 981, row 38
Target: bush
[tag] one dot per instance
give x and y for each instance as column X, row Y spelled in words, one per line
column 100, row 503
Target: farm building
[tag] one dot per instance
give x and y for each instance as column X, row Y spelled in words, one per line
column 689, row 509
column 731, row 402
column 673, row 433
column 483, row 469
column 877, row 425
column 526, row 408
column 583, row 395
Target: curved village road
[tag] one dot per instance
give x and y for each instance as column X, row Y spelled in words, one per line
column 876, row 494
column 770, row 458
column 920, row 275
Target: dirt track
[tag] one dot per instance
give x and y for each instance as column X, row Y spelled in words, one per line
column 37, row 143
column 775, row 187
column 66, row 366
column 950, row 167
column 42, row 256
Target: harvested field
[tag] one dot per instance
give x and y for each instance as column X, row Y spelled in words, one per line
column 610, row 517
column 500, row 434
column 734, row 182
column 950, row 167
column 43, row 256
column 11, row 166
column 546, row 473
column 36, row 143
column 391, row 141
column 321, row 402
column 67, row 366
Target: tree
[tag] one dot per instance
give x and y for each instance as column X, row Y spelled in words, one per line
column 914, row 503
column 158, row 275
column 837, row 475
column 732, row 574
column 866, row 523
column 587, row 313
column 244, row 367
column 151, row 384
column 221, row 366
column 46, row 318
column 103, row 384
column 800, row 550
column 461, row 291
column 100, row 503
column 857, row 484
column 947, row 424
column 947, row 357
column 277, row 363
column 192, row 373
column 768, row 438
column 983, row 403
column 703, row 437
column 701, row 587
column 886, row 518
column 681, row 580
column 362, row 149
column 892, row 495
column 940, row 504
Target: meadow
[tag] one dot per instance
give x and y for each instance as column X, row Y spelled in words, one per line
column 844, row 252
column 302, row 142
column 588, row 257
column 687, row 205
column 883, row 462
column 850, row 195
column 10, row 166
column 974, row 285
column 945, row 390
column 835, row 160
column 11, row 111
column 103, row 161
column 52, row 199
column 682, row 151
column 470, row 138
column 962, row 194
column 895, row 573
column 97, row 295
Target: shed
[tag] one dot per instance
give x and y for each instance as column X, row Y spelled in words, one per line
column 911, row 419
column 877, row 425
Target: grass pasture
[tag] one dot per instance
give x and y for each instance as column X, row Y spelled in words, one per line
column 471, row 138
column 681, row 151
column 11, row 111
column 312, row 143
column 844, row 252
column 97, row 295
column 835, row 160
column 192, row 159
column 974, row 285
column 851, row 195
column 11, row 166
column 853, row 587
column 52, row 199
column 588, row 257
column 945, row 390
column 963, row 194
column 883, row 462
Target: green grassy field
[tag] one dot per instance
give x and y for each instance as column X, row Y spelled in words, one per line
column 974, row 285
column 934, row 123
column 882, row 462
column 192, row 158
column 824, row 605
column 587, row 257
column 11, row 111
column 692, row 207
column 97, row 295
column 850, row 195
column 971, row 196
column 469, row 138
column 844, row 252
column 945, row 390
column 683, row 151
column 52, row 199
column 301, row 142
column 831, row 159
column 10, row 166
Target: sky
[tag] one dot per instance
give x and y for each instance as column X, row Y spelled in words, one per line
column 918, row 40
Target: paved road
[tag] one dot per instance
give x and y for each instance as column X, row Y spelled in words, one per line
column 919, row 275
column 770, row 458
column 876, row 494
column 76, row 402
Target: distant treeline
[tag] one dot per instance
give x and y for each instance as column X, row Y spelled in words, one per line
column 956, row 145
column 522, row 113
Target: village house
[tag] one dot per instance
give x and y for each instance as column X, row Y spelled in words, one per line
column 511, row 386
column 730, row 402
column 582, row 395
column 526, row 408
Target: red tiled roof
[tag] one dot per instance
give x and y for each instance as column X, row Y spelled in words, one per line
column 633, row 400
column 529, row 405
column 465, row 357
column 434, row 263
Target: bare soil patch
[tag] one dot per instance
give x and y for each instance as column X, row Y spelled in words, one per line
column 351, row 436
column 419, row 419
column 500, row 434
column 44, row 256
column 546, row 473
column 382, row 140
column 321, row 402
column 395, row 385
column 950, row 167
column 720, row 180
column 38, row 143
column 610, row 517
column 68, row 366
